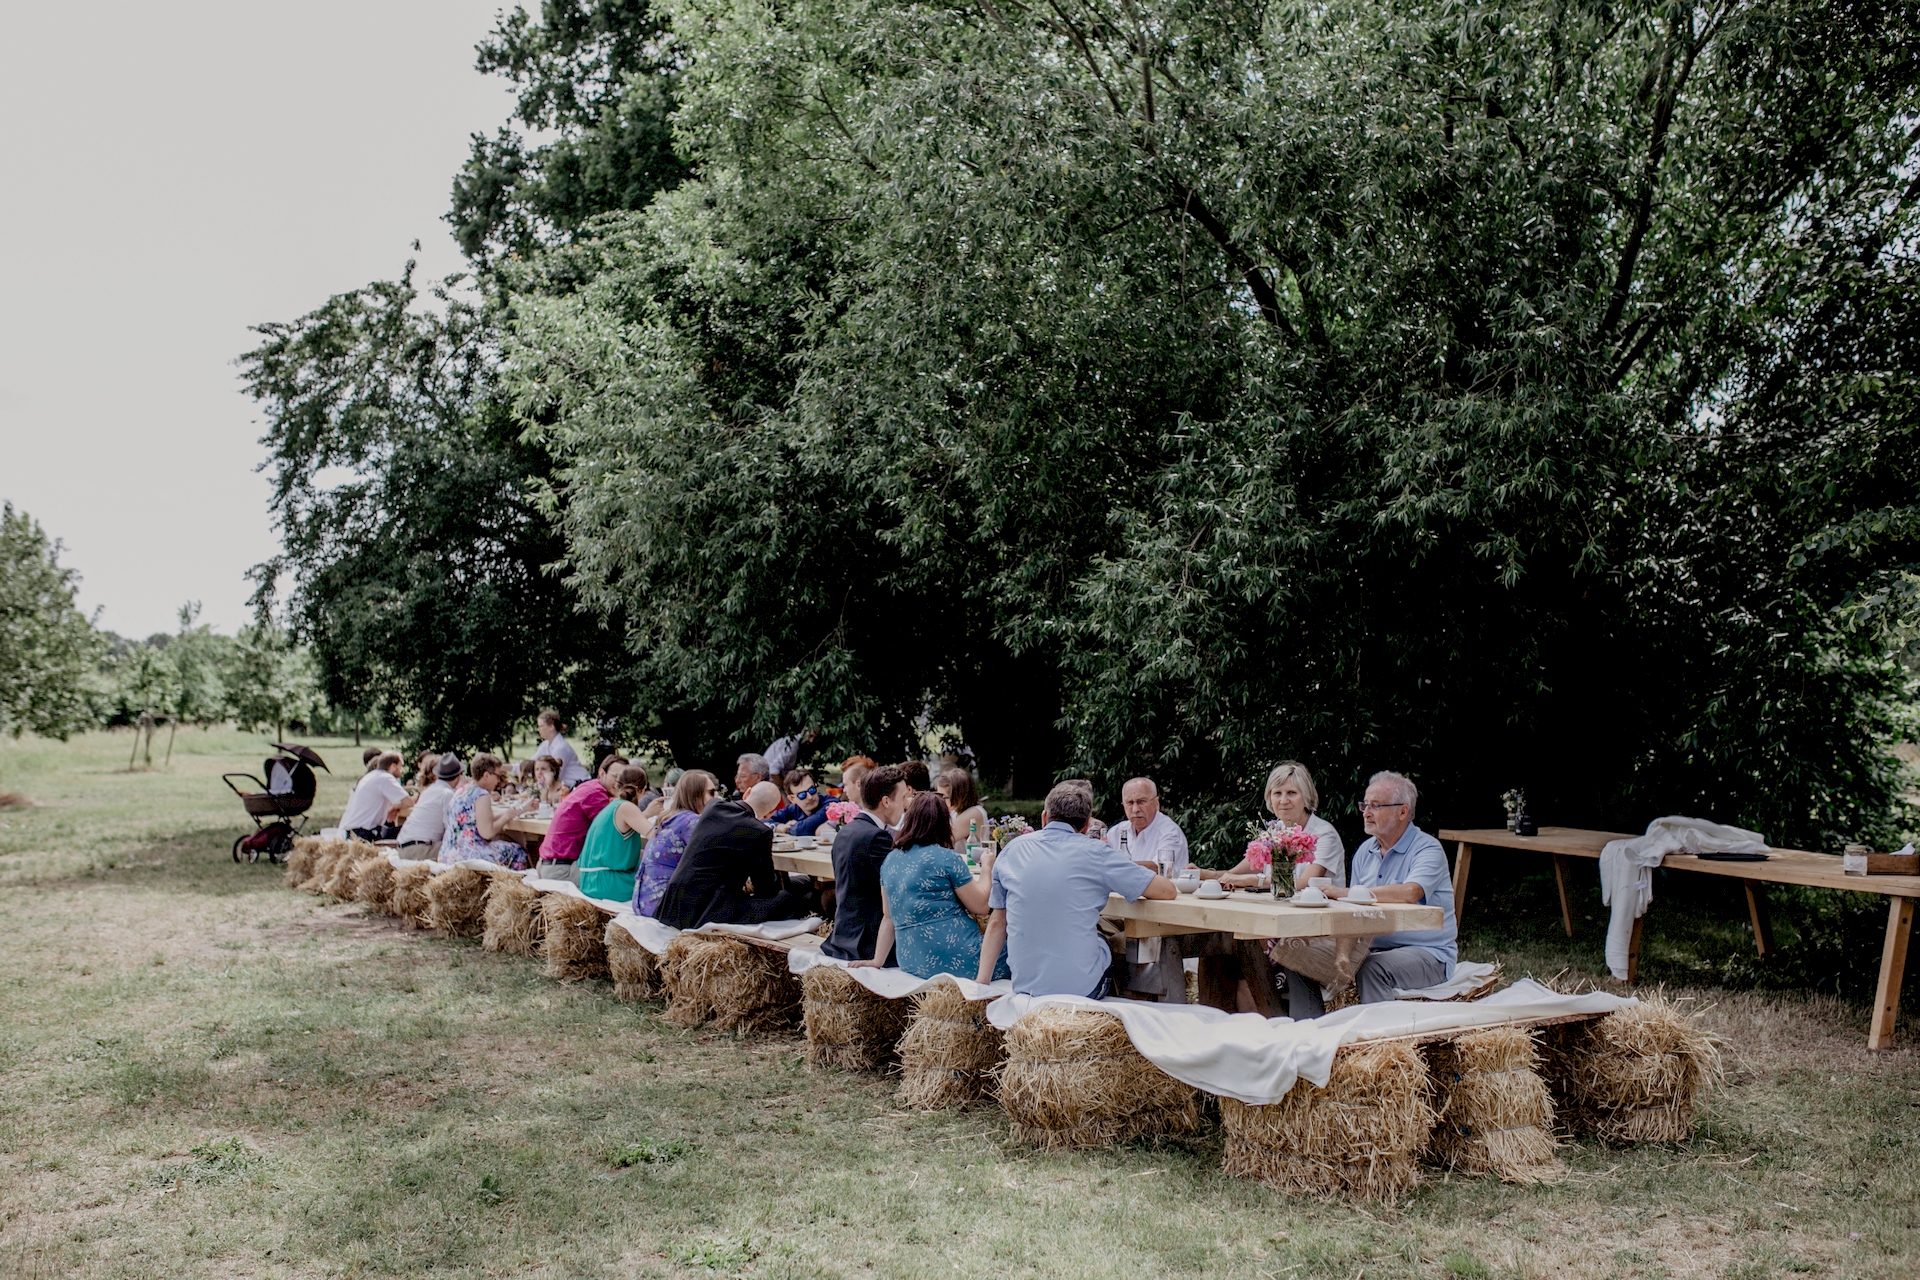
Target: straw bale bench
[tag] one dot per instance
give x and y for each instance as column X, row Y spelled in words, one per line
column 1493, row 1111
column 636, row 971
column 1072, row 1078
column 573, row 937
column 456, row 899
column 513, row 922
column 1635, row 1075
column 950, row 1053
column 847, row 1025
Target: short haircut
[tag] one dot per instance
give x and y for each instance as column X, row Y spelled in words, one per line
column 614, row 761
column 693, row 790
column 763, row 793
column 368, row 756
column 928, row 821
column 550, row 716
column 756, row 763
column 633, row 780
column 879, row 784
column 1153, row 788
column 962, row 792
column 1294, row 771
column 850, row 779
column 485, row 763
column 1071, row 802
column 387, row 759
column 865, row 762
column 794, row 776
column 916, row 775
column 1400, row 786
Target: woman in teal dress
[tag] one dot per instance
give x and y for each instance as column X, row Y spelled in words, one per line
column 930, row 898
column 611, row 853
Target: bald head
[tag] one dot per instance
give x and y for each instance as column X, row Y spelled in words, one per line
column 763, row 799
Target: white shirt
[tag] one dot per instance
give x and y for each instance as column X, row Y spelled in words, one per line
column 572, row 772
column 375, row 793
column 1331, row 852
column 782, row 754
column 428, row 820
column 1163, row 842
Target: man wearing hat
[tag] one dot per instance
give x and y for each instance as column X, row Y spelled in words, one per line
column 420, row 835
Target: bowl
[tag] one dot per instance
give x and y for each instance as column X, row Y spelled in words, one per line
column 1187, row 884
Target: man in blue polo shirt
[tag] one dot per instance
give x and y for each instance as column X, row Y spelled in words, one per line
column 1049, row 888
column 1400, row 863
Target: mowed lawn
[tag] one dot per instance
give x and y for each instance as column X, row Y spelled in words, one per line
column 209, row 1074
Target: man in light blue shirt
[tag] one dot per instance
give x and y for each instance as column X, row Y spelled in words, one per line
column 1049, row 888
column 1399, row 863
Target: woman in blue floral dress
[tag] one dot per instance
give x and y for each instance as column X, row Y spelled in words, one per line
column 473, row 820
column 930, row 898
column 669, row 840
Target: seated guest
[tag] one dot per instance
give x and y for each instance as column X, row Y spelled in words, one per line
column 420, row 834
column 554, row 743
column 370, row 809
column 474, row 824
column 963, row 801
column 726, row 875
column 749, row 771
column 852, row 769
column 929, row 897
column 1148, row 836
column 547, row 787
column 668, row 843
column 918, row 777
column 523, row 779
column 807, row 812
column 611, row 855
column 858, row 852
column 1095, row 828
column 1399, row 863
column 567, row 830
column 1049, row 888
column 371, row 754
column 1292, row 798
column 423, row 770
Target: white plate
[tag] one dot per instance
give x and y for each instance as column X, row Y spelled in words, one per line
column 1324, row 902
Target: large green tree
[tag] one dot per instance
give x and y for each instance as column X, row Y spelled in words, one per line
column 1511, row 394
column 48, row 648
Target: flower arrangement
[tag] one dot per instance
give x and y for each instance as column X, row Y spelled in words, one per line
column 1274, row 844
column 841, row 812
column 1516, row 804
column 1006, row 827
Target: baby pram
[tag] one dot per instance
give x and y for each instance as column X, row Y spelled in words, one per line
column 279, row 805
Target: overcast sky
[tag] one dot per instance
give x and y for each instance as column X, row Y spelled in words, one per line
column 172, row 174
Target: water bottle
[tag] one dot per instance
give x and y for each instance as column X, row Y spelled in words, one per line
column 973, row 843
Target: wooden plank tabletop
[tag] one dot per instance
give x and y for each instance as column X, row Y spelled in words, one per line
column 1258, row 915
column 816, row 862
column 1783, row 866
column 526, row 827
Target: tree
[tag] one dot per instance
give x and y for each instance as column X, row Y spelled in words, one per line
column 272, row 680
column 48, row 648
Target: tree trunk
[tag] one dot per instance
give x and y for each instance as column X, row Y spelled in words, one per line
column 135, row 753
column 172, row 726
column 356, row 728
column 280, row 732
column 147, row 754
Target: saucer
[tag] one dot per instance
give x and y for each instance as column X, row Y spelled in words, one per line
column 1324, row 902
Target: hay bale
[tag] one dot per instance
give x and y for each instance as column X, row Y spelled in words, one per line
column 689, row 1002
column 299, row 864
column 456, row 899
column 635, row 970
column 1072, row 1078
column 1635, row 1075
column 410, row 892
column 321, row 866
column 750, row 988
column 575, row 942
column 512, row 919
column 848, row 1026
column 1492, row 1111
column 373, row 884
column 950, row 1051
column 1360, row 1136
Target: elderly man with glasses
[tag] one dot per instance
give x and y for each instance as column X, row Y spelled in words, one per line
column 1399, row 863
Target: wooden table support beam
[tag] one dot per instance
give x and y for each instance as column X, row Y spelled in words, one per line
column 1762, row 923
column 1893, row 967
column 1560, row 870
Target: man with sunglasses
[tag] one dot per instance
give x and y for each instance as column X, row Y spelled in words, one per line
column 808, row 810
column 1398, row 862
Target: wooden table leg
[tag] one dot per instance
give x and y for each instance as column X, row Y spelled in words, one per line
column 1462, row 864
column 1893, row 966
column 1220, row 982
column 1560, row 881
column 1258, row 971
column 1757, row 913
column 1633, row 948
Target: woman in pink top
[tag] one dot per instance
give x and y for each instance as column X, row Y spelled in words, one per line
column 567, row 833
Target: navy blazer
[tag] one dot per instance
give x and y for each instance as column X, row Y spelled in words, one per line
column 858, row 851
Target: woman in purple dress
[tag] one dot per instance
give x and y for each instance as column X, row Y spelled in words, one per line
column 669, row 840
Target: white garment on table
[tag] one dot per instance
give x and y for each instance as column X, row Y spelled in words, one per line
column 572, row 772
column 428, row 821
column 1626, row 871
column 1163, row 842
column 375, row 793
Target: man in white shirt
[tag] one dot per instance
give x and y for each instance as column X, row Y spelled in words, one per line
column 1148, row 836
column 553, row 743
column 370, row 809
column 420, row 835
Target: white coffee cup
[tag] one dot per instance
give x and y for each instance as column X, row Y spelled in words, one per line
column 1360, row 894
column 1209, row 889
column 1187, row 884
column 1310, row 894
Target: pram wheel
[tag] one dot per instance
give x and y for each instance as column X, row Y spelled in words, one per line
column 252, row 855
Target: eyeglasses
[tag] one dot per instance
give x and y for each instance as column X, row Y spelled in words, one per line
column 1367, row 806
column 810, row 791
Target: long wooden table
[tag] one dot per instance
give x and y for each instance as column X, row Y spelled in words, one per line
column 1783, row 866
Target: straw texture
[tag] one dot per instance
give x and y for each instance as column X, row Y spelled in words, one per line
column 299, row 864
column 689, row 1001
column 512, row 921
column 1493, row 1111
column 410, row 892
column 455, row 900
column 575, row 942
column 373, row 883
column 950, row 1051
column 635, row 970
column 748, row 987
column 1072, row 1078
column 849, row 1026
column 1358, row 1137
column 1635, row 1075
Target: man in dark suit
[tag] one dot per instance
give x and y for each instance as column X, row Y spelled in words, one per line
column 858, row 851
column 728, row 847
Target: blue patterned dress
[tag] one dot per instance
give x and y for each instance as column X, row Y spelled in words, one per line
column 662, row 856
column 932, row 932
column 462, row 838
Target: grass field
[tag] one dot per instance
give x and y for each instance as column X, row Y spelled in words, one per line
column 208, row 1074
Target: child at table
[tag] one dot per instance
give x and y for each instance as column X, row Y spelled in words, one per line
column 546, row 781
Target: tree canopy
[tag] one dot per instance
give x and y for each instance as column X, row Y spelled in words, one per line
column 48, row 648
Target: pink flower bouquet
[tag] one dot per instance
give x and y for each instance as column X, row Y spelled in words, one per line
column 841, row 812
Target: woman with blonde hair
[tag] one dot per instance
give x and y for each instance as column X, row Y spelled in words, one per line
column 475, row 824
column 1293, row 798
column 691, row 795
